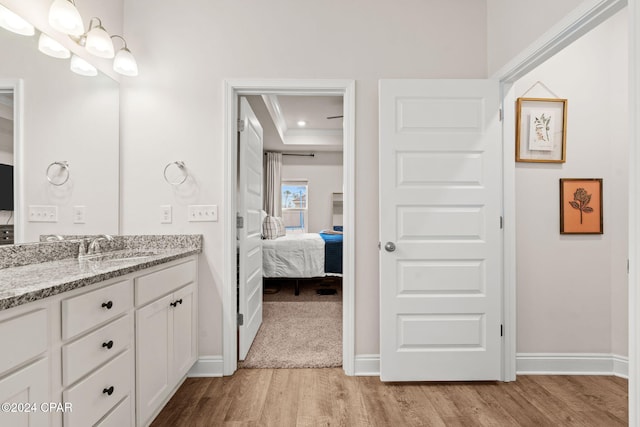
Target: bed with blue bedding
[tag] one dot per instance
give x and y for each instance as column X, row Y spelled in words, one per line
column 302, row 256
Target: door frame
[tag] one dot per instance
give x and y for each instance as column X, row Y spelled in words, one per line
column 583, row 19
column 232, row 90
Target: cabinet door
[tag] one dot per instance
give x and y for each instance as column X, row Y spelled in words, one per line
column 153, row 347
column 22, row 389
column 184, row 331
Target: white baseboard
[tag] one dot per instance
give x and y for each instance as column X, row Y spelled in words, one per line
column 207, row 366
column 620, row 366
column 571, row 364
column 367, row 365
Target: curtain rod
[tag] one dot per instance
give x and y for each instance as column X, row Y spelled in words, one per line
column 298, row 154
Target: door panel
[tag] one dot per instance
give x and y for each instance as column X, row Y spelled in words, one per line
column 440, row 205
column 249, row 236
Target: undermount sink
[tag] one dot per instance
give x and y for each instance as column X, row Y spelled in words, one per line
column 126, row 255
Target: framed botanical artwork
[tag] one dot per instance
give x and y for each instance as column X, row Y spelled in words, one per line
column 541, row 129
column 581, row 206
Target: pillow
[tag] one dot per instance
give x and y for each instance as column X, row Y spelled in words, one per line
column 272, row 227
column 282, row 231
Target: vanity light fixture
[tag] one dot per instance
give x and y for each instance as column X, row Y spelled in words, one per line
column 82, row 67
column 14, row 23
column 98, row 42
column 64, row 17
column 50, row 47
column 124, row 63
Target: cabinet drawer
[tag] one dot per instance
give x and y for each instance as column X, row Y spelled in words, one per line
column 157, row 284
column 90, row 397
column 85, row 354
column 85, row 311
column 120, row 416
column 23, row 338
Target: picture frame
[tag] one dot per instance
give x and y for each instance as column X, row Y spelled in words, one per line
column 581, row 206
column 541, row 130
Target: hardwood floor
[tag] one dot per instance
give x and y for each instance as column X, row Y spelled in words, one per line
column 326, row 397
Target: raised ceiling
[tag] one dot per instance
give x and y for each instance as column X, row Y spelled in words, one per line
column 280, row 114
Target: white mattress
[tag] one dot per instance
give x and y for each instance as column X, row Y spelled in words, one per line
column 293, row 255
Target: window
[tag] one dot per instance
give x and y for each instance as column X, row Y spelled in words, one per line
column 295, row 203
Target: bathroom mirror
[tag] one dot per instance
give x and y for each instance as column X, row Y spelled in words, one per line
column 62, row 119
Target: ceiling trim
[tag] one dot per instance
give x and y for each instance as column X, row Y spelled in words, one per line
column 275, row 111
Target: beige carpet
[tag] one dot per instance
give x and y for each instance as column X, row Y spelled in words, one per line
column 304, row 334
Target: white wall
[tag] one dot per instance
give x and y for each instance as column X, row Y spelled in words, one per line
column 173, row 110
column 324, row 174
column 572, row 288
column 66, row 117
column 512, row 25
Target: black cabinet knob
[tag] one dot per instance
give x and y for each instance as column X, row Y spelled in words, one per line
column 175, row 303
column 108, row 344
column 107, row 305
column 179, row 301
column 108, row 391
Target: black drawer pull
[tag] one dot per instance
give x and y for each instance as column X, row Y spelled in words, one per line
column 108, row 344
column 107, row 305
column 175, row 303
column 108, row 391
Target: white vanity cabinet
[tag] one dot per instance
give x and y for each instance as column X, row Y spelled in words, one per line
column 115, row 350
column 166, row 328
column 24, row 367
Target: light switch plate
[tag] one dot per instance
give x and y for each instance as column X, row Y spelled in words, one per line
column 200, row 213
column 39, row 213
column 79, row 214
column 165, row 214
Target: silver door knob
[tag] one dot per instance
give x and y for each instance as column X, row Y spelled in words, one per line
column 390, row 247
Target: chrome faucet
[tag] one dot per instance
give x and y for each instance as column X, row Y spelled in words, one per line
column 94, row 246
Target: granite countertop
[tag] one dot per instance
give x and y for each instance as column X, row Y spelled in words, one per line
column 26, row 283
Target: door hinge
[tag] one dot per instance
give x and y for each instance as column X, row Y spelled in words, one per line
column 239, row 222
column 501, row 114
column 501, row 330
column 240, row 125
column 501, row 222
column 240, row 319
column 379, row 245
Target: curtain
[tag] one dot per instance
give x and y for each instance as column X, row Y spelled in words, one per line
column 272, row 202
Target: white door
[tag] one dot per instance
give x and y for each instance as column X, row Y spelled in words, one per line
column 440, row 207
column 249, row 235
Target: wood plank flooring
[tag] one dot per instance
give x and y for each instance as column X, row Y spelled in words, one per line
column 327, row 397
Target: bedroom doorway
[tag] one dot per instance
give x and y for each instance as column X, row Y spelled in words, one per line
column 314, row 193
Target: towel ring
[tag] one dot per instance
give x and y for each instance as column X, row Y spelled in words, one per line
column 182, row 171
column 62, row 176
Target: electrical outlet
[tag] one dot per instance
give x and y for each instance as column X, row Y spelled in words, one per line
column 198, row 213
column 165, row 214
column 79, row 214
column 43, row 213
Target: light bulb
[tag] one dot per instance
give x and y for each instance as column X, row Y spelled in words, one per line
column 99, row 42
column 12, row 22
column 125, row 64
column 50, row 47
column 82, row 67
column 64, row 17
